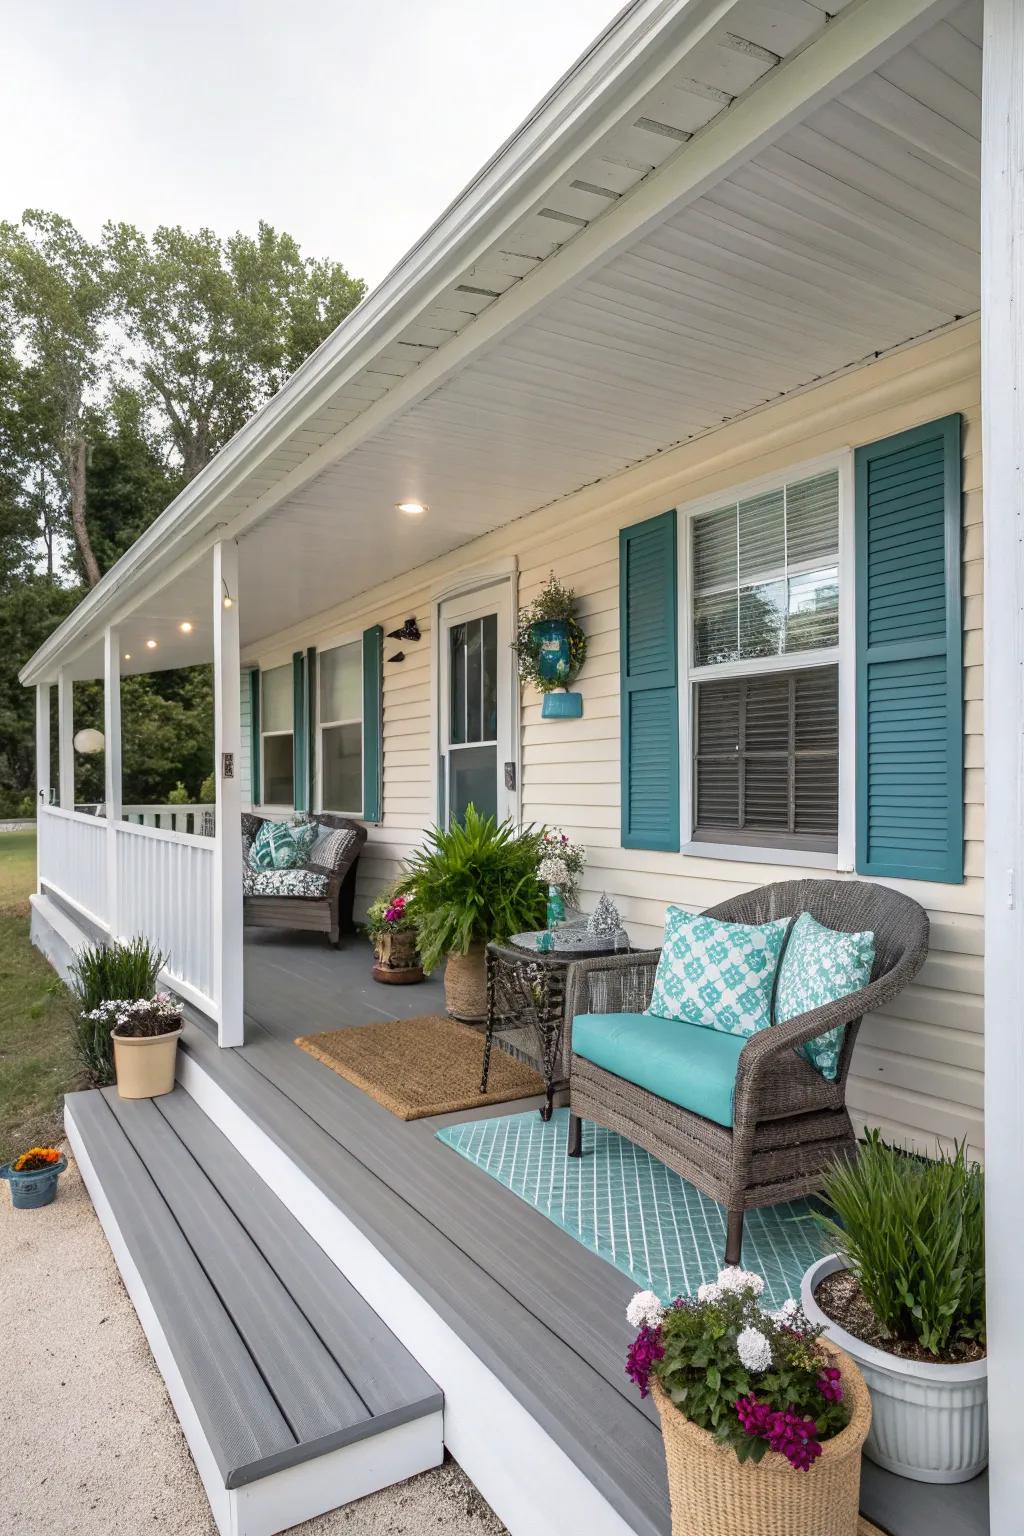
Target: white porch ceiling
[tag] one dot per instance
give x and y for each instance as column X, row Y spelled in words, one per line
column 858, row 230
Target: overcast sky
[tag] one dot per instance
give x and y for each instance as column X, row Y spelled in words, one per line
column 350, row 123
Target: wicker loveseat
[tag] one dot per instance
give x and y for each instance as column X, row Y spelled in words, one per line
column 319, row 896
column 788, row 1121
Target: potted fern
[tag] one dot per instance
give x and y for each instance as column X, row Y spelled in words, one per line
column 474, row 881
column 904, row 1296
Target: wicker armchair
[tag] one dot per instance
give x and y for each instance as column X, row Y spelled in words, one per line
column 789, row 1122
column 330, row 913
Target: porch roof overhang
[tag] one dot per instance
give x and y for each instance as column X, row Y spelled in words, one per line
column 721, row 202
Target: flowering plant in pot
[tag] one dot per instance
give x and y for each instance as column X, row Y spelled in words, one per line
column 145, row 1035
column 560, row 867
column 33, row 1176
column 763, row 1422
column 391, row 926
column 904, row 1295
column 475, row 881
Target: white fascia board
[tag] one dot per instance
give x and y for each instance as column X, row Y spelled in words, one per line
column 641, row 46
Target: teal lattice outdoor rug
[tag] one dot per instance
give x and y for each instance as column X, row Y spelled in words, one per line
column 623, row 1204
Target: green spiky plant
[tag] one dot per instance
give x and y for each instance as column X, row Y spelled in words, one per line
column 912, row 1230
column 474, row 881
column 107, row 973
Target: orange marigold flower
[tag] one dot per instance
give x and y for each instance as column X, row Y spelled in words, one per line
column 36, row 1158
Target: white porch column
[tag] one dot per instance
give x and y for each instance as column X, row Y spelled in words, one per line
column 227, row 742
column 112, row 768
column 65, row 744
column 42, row 768
column 1002, row 395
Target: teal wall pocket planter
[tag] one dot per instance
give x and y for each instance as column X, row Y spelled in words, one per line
column 562, row 706
column 551, row 638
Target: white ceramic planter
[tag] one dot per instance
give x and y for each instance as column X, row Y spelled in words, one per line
column 929, row 1422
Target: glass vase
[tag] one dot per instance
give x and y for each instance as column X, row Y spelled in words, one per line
column 556, row 907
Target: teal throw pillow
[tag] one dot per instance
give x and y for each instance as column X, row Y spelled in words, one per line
column 716, row 974
column 282, row 845
column 820, row 966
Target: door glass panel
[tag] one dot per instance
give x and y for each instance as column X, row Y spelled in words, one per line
column 473, row 680
column 473, row 780
column 343, row 769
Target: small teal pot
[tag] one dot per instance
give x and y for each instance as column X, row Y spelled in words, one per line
column 562, row 706
column 30, row 1190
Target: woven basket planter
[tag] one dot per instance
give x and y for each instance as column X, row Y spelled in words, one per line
column 465, row 985
column 713, row 1494
column 397, row 958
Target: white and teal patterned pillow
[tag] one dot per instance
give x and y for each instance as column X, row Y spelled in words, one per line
column 282, row 845
column 716, row 974
column 820, row 966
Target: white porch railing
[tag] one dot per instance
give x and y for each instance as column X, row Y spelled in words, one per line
column 165, row 892
column 198, row 819
column 73, row 859
column 160, row 884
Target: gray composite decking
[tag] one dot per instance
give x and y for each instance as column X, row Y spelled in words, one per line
column 543, row 1313
column 282, row 1360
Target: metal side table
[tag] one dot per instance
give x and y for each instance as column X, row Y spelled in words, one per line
column 526, row 1008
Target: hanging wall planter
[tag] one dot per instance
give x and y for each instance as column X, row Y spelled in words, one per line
column 551, row 648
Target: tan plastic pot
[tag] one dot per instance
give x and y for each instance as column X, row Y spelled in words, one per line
column 713, row 1494
column 465, row 985
column 145, row 1067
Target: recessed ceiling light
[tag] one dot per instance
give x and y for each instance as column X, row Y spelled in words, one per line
column 185, row 627
column 412, row 508
column 150, row 645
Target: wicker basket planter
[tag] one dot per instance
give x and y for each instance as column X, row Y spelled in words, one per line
column 465, row 985
column 929, row 1421
column 713, row 1494
column 396, row 958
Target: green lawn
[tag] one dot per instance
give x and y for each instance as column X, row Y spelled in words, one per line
column 37, row 1062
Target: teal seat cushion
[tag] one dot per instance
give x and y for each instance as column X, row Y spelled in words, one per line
column 683, row 1063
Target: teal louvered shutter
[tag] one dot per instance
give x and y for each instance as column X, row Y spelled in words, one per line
column 373, row 722
column 648, row 647
column 910, row 817
column 300, row 734
column 255, row 765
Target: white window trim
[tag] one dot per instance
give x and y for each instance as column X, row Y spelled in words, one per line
column 333, row 644
column 843, row 656
column 265, row 804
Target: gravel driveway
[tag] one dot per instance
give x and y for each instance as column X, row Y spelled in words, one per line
column 107, row 1457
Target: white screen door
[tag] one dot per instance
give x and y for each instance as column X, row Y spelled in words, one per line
column 475, row 725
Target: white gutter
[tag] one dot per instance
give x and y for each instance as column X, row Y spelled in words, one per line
column 630, row 55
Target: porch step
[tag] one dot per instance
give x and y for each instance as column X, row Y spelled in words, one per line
column 293, row 1395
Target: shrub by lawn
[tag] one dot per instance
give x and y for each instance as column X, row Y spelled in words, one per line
column 37, row 1060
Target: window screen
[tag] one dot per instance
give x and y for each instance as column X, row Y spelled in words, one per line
column 766, row 759
column 341, row 728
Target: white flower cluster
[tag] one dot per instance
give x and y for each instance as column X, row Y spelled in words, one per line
column 644, row 1311
column 789, row 1310
column 754, row 1350
column 553, row 871
column 119, row 1011
column 558, row 845
column 734, row 1281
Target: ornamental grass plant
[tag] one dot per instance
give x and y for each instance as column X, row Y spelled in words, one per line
column 103, row 973
column 912, row 1232
column 757, row 1381
column 474, row 881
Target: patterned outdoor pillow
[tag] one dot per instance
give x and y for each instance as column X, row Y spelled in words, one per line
column 284, row 882
column 282, row 845
column 716, row 974
column 250, row 827
column 331, row 849
column 820, row 966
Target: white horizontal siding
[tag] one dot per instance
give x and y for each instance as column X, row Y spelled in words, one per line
column 917, row 1071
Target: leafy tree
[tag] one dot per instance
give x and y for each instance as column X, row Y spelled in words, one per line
column 217, row 326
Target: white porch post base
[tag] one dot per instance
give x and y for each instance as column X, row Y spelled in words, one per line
column 227, row 890
column 1002, row 394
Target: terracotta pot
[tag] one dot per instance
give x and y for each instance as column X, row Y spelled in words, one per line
column 465, row 985
column 145, row 1067
column 713, row 1494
